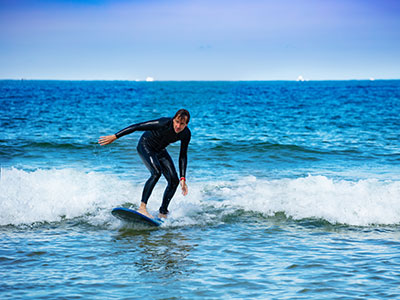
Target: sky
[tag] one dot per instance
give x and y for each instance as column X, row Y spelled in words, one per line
column 199, row 40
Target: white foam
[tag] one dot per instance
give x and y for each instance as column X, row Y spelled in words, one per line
column 361, row 203
column 51, row 195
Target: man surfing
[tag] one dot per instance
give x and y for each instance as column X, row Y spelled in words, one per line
column 158, row 134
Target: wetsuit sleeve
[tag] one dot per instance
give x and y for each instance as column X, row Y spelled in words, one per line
column 144, row 126
column 183, row 155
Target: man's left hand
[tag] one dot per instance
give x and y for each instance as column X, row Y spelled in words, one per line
column 184, row 187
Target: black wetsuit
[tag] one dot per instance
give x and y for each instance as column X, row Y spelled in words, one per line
column 151, row 148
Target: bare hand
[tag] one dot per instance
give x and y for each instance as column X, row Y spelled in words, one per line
column 108, row 139
column 184, row 187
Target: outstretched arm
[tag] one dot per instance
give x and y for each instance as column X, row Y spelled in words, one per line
column 149, row 125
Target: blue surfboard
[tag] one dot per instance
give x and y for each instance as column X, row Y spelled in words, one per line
column 133, row 216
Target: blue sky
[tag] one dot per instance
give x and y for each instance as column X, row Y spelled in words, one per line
column 200, row 40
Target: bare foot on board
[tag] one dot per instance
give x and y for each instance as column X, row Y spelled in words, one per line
column 143, row 210
column 162, row 216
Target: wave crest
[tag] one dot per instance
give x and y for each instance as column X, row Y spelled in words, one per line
column 53, row 195
column 361, row 203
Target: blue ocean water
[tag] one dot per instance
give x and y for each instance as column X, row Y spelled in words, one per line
column 294, row 191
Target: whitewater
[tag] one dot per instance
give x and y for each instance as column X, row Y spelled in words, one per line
column 53, row 195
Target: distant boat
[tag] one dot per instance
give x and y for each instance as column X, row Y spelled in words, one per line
column 148, row 79
column 300, row 78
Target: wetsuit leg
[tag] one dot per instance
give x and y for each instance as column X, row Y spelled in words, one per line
column 152, row 163
column 169, row 172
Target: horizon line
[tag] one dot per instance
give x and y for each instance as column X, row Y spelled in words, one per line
column 196, row 80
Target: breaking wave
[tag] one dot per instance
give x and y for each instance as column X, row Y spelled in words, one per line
column 54, row 195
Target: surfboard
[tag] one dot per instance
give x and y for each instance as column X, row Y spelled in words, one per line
column 133, row 216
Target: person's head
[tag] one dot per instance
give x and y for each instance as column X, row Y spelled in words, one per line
column 181, row 120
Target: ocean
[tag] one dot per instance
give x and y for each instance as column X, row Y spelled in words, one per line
column 294, row 191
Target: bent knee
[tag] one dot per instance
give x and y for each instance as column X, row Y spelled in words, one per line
column 156, row 174
column 174, row 182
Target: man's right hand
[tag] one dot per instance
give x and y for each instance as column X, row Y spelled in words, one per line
column 108, row 139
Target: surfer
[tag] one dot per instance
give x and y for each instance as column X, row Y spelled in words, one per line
column 152, row 150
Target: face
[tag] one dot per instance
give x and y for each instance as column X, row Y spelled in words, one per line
column 179, row 124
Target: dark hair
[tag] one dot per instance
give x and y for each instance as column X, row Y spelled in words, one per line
column 183, row 113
